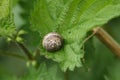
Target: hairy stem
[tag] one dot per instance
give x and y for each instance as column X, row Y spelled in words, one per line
column 107, row 40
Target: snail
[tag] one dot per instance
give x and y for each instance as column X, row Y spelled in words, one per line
column 52, row 42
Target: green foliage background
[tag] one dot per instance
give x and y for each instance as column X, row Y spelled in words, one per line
column 27, row 21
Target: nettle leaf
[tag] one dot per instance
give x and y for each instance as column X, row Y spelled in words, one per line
column 7, row 26
column 72, row 19
column 4, row 8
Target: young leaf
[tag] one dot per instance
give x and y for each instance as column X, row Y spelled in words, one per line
column 72, row 19
column 4, row 8
column 7, row 26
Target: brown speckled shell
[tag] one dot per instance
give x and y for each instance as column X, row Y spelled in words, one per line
column 52, row 42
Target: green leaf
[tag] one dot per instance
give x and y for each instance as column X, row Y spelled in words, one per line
column 4, row 8
column 26, row 6
column 72, row 19
column 7, row 26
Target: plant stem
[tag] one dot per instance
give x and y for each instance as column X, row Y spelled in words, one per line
column 107, row 40
column 26, row 51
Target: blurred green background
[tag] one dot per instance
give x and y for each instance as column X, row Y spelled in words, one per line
column 99, row 62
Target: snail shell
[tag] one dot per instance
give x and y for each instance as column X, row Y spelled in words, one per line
column 52, row 42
